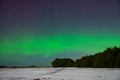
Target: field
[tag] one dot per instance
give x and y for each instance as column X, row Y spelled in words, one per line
column 60, row 74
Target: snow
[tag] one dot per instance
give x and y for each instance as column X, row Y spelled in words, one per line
column 60, row 74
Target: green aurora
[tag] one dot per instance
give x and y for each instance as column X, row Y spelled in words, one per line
column 50, row 45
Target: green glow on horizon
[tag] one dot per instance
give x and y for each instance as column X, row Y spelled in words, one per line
column 58, row 43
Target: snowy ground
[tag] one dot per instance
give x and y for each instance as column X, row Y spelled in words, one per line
column 60, row 74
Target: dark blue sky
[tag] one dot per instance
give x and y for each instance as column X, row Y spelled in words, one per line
column 59, row 15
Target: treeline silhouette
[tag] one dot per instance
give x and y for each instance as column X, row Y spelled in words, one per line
column 109, row 58
column 32, row 66
column 65, row 62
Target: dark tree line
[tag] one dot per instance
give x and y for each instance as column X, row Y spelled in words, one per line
column 32, row 66
column 65, row 62
column 110, row 58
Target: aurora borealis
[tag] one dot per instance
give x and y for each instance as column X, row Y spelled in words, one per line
column 37, row 31
column 50, row 45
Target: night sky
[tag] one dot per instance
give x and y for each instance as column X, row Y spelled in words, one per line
column 35, row 32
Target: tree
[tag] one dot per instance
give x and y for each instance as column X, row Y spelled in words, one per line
column 109, row 58
column 118, row 61
column 65, row 62
column 85, row 61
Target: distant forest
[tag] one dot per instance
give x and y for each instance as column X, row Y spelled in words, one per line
column 109, row 58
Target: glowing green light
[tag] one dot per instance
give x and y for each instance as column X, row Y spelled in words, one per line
column 54, row 44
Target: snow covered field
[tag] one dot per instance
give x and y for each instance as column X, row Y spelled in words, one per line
column 60, row 74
